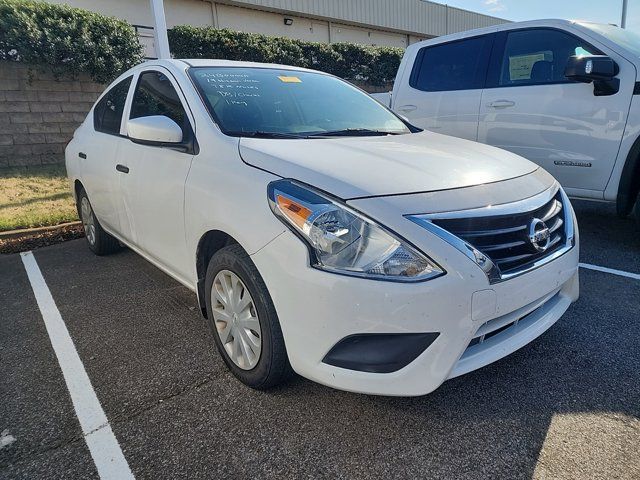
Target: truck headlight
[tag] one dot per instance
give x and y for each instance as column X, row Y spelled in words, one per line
column 342, row 240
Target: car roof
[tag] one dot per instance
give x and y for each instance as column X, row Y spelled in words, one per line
column 181, row 65
column 215, row 62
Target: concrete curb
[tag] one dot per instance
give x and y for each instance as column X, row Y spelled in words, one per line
column 26, row 232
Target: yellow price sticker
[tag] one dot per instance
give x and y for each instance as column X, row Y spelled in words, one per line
column 286, row 79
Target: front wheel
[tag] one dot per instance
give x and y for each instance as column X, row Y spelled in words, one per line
column 243, row 320
column 99, row 241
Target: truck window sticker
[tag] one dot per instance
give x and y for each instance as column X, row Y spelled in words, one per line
column 520, row 66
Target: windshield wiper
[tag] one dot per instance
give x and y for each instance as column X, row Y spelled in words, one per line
column 263, row 134
column 352, row 132
column 347, row 132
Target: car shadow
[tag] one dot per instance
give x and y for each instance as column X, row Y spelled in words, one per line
column 606, row 239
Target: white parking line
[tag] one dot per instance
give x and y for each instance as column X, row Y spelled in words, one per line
column 612, row 271
column 102, row 443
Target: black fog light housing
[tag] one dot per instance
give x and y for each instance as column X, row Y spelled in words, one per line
column 378, row 352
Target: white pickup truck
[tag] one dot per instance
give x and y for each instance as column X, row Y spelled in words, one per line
column 563, row 94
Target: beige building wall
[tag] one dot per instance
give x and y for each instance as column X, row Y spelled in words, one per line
column 314, row 30
column 255, row 21
column 396, row 23
column 369, row 36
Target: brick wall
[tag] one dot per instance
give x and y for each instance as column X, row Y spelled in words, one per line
column 38, row 113
column 374, row 88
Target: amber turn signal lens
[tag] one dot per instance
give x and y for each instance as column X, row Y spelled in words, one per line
column 295, row 212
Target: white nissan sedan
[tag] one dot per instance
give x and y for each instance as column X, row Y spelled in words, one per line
column 322, row 233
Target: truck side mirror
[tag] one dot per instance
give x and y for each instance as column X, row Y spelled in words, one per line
column 599, row 69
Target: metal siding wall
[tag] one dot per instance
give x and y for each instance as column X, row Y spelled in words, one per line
column 461, row 20
column 417, row 16
column 341, row 32
column 266, row 23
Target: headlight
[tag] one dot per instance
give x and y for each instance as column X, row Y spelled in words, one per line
column 343, row 241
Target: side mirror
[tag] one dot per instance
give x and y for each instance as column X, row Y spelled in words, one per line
column 588, row 68
column 598, row 69
column 154, row 130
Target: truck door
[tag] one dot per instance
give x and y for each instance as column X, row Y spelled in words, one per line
column 444, row 88
column 530, row 108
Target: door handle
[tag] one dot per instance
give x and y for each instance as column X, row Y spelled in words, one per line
column 407, row 108
column 122, row 168
column 82, row 155
column 501, row 104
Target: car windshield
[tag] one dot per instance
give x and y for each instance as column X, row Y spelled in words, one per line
column 625, row 38
column 278, row 103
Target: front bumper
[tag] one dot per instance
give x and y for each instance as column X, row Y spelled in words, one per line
column 318, row 309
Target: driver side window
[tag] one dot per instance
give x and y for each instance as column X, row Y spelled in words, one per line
column 155, row 95
column 539, row 56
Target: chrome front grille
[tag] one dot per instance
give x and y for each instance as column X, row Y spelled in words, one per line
column 508, row 239
column 505, row 238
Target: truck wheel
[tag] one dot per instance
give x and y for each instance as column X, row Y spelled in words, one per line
column 243, row 320
column 99, row 241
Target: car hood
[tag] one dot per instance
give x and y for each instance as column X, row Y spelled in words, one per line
column 355, row 167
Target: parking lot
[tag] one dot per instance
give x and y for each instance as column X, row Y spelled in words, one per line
column 565, row 406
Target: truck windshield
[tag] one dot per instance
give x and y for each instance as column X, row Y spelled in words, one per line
column 274, row 103
column 625, row 38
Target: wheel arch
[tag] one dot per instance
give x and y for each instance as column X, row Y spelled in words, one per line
column 77, row 188
column 208, row 245
column 629, row 185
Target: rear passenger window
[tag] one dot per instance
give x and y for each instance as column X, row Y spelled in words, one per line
column 107, row 114
column 460, row 65
column 539, row 56
column 155, row 95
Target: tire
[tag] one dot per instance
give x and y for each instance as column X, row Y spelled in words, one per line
column 636, row 212
column 99, row 241
column 259, row 367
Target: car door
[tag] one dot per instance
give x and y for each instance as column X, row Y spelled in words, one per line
column 98, row 155
column 152, row 177
column 530, row 108
column 445, row 86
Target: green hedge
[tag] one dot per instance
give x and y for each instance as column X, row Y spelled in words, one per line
column 360, row 63
column 69, row 40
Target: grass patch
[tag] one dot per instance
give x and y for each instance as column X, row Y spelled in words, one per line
column 35, row 197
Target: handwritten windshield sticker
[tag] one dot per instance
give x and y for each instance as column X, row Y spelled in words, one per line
column 286, row 79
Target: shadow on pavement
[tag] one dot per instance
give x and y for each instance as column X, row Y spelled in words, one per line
column 606, row 239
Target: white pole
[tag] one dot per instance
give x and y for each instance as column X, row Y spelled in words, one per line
column 160, row 29
column 623, row 24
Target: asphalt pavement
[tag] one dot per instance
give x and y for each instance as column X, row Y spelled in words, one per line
column 565, row 406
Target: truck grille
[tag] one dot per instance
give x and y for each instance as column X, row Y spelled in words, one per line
column 505, row 239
